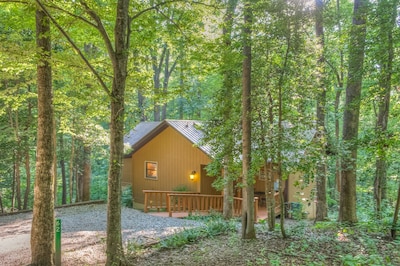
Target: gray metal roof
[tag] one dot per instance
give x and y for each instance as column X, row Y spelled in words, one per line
column 141, row 130
column 145, row 131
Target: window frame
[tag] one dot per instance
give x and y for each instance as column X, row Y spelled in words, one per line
column 147, row 169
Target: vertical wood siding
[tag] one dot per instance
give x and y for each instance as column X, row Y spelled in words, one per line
column 176, row 158
column 126, row 172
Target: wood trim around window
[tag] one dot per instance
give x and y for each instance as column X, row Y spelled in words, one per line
column 151, row 170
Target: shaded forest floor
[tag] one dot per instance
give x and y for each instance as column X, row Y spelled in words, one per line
column 203, row 240
column 307, row 244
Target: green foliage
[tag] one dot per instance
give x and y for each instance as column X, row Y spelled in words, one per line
column 98, row 187
column 181, row 188
column 214, row 225
column 126, row 197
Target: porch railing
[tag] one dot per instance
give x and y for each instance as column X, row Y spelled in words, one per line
column 190, row 202
column 157, row 199
column 204, row 203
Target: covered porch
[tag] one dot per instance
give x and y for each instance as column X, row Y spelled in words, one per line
column 181, row 204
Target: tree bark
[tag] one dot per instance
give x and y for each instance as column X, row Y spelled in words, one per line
column 321, row 208
column 115, row 254
column 227, row 90
column 42, row 233
column 71, row 170
column 340, row 78
column 27, row 155
column 63, row 171
column 248, row 229
column 87, row 172
column 396, row 214
column 387, row 13
column 347, row 210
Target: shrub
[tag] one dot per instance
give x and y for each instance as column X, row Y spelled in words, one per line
column 126, row 197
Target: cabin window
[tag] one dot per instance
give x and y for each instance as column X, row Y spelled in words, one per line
column 151, row 170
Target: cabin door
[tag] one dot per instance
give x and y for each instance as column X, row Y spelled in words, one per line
column 206, row 183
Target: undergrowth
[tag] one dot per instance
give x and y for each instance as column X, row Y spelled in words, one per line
column 321, row 243
column 214, row 225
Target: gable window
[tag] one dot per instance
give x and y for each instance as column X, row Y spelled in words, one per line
column 151, row 170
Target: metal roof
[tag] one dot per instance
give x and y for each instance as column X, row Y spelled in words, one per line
column 145, row 131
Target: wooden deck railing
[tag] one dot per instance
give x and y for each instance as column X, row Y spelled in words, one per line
column 157, row 199
column 194, row 203
column 173, row 201
column 204, row 203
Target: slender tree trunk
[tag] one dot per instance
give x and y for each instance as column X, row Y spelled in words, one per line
column 248, row 229
column 396, row 214
column 347, row 210
column 87, row 172
column 16, row 194
column 55, row 161
column 228, row 192
column 63, row 171
column 321, row 208
column 340, row 78
column 42, row 233
column 1, row 204
column 28, row 177
column 13, row 188
column 270, row 195
column 387, row 13
column 71, row 170
column 228, row 87
column 141, row 103
column 157, row 64
column 27, row 155
column 270, row 191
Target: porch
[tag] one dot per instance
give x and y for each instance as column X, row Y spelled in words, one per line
column 181, row 204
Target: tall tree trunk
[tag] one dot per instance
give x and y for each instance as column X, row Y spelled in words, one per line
column 28, row 177
column 87, row 172
column 71, row 170
column 248, row 229
column 27, row 155
column 13, row 188
column 14, row 124
column 55, row 161
column 387, row 13
column 63, row 171
column 42, row 233
column 396, row 214
column 114, row 250
column 1, row 204
column 340, row 78
column 157, row 65
column 321, row 208
column 141, row 103
column 228, row 87
column 347, row 210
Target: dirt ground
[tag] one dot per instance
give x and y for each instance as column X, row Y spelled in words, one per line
column 84, row 244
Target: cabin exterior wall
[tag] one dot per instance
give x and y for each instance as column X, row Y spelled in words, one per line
column 176, row 158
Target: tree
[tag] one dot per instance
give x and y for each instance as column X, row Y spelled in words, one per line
column 321, row 210
column 386, row 13
column 347, row 210
column 42, row 235
column 228, row 86
column 248, row 229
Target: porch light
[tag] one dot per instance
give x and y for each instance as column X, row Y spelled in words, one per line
column 192, row 175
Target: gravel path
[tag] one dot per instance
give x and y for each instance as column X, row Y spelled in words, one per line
column 83, row 233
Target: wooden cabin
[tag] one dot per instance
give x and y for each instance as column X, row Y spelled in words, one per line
column 168, row 156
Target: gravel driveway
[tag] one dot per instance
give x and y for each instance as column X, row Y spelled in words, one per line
column 83, row 233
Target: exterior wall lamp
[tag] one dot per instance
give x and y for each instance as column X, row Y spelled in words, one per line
column 192, row 175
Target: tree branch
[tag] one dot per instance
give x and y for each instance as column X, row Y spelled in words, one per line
column 73, row 15
column 75, row 47
column 103, row 32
